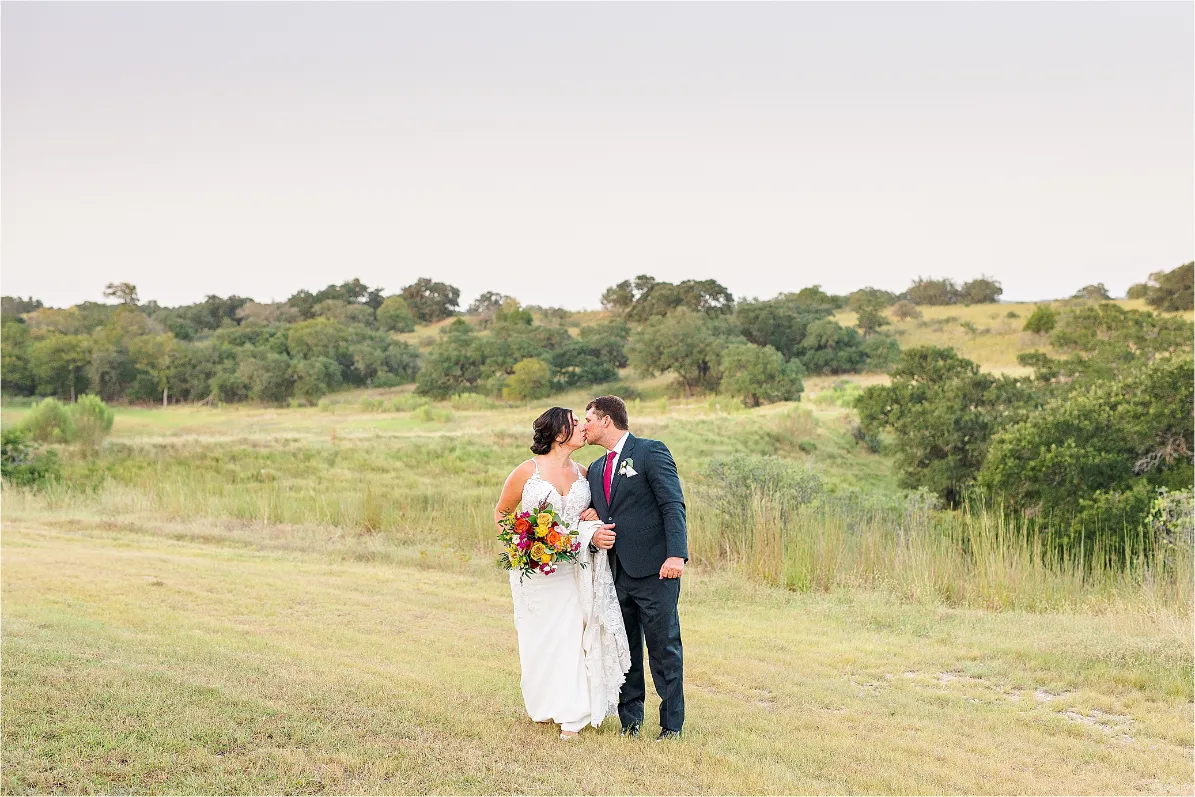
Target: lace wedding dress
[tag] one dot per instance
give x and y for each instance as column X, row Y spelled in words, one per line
column 572, row 643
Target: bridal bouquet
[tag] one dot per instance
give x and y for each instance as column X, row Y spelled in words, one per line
column 536, row 541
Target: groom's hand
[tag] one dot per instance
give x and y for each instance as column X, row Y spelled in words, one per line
column 672, row 568
column 603, row 537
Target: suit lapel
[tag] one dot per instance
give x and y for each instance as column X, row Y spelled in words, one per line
column 618, row 465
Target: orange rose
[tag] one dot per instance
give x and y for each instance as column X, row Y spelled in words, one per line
column 522, row 525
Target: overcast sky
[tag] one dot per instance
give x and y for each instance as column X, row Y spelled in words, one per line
column 550, row 150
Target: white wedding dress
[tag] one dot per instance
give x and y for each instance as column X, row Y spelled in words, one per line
column 572, row 643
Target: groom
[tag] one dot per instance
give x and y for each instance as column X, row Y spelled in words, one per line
column 636, row 488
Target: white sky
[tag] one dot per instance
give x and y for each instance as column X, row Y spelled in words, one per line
column 550, row 150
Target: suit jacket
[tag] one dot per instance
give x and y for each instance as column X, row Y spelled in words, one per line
column 648, row 509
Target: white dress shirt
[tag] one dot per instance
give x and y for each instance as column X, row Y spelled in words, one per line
column 622, row 441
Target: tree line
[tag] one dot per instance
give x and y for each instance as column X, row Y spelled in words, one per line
column 221, row 349
column 757, row 351
column 228, row 349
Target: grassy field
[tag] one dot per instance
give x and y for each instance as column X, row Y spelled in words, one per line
column 223, row 657
column 256, row 600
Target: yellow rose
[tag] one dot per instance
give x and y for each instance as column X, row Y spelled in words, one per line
column 544, row 519
column 541, row 531
column 538, row 551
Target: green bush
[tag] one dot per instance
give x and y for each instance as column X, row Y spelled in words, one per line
column 740, row 478
column 49, row 422
column 23, row 465
column 1042, row 320
column 530, row 380
column 408, row 402
column 395, row 316
column 1172, row 517
column 92, row 420
column 904, row 310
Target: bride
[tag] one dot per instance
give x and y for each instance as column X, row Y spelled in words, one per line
column 572, row 643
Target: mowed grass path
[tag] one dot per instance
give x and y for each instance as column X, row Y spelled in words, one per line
column 227, row 659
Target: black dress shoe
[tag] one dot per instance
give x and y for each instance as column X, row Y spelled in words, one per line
column 631, row 730
column 667, row 734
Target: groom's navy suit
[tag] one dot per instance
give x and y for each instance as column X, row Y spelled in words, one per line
column 648, row 510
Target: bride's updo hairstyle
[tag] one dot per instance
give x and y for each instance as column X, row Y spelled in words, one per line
column 549, row 427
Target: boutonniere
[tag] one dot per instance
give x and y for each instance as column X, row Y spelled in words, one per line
column 627, row 468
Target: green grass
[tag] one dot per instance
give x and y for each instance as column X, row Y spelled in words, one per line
column 222, row 657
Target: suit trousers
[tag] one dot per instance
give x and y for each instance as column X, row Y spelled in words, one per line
column 649, row 611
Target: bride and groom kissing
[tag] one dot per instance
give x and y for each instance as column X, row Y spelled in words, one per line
column 582, row 628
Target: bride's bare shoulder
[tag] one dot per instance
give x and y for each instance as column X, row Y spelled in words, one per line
column 523, row 472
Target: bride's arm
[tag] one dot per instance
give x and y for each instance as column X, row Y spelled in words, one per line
column 512, row 490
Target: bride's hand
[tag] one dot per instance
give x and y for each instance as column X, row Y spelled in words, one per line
column 589, row 514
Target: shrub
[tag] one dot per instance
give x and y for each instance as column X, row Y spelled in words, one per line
column 1095, row 293
column 21, row 464
column 1012, row 314
column 1042, row 320
column 1172, row 517
column 408, row 402
column 530, row 380
column 92, row 420
column 984, row 290
column 395, row 316
column 48, row 422
column 933, row 291
column 740, row 477
column 882, row 353
column 904, row 310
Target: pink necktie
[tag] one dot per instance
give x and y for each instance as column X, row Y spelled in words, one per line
column 609, row 474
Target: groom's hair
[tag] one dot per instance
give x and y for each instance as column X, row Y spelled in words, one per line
column 613, row 408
